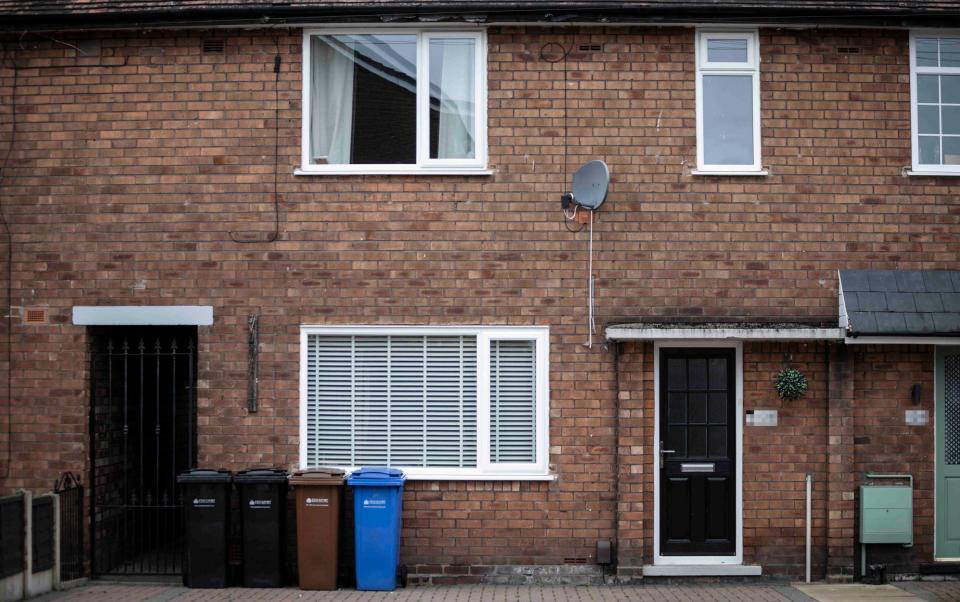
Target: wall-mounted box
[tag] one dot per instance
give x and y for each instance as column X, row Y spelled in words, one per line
column 886, row 514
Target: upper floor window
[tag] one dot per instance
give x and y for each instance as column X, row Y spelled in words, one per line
column 393, row 101
column 935, row 102
column 728, row 101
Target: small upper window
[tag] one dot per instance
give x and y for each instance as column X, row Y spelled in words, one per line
column 728, row 101
column 393, row 101
column 935, row 106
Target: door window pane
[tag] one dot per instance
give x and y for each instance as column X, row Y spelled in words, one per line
column 726, row 51
column 728, row 119
column 452, row 98
column 951, row 409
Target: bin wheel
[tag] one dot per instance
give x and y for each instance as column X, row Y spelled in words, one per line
column 403, row 575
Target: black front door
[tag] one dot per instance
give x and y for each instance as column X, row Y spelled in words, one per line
column 697, row 452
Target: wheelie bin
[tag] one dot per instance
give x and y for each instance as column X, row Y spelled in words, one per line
column 263, row 503
column 206, row 510
column 318, row 493
column 377, row 503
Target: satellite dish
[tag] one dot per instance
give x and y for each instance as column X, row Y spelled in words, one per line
column 590, row 184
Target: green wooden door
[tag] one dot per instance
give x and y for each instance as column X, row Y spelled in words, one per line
column 948, row 453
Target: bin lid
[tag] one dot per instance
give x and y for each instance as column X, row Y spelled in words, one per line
column 205, row 475
column 318, row 476
column 261, row 475
column 377, row 475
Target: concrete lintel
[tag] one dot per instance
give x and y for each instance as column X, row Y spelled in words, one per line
column 147, row 315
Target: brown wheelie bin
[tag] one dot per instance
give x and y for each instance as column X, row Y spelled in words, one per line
column 318, row 491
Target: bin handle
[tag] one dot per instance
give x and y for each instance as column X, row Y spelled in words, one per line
column 908, row 477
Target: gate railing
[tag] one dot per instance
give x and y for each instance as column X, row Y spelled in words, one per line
column 142, row 429
column 70, row 490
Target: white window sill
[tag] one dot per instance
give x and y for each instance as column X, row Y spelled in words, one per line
column 710, row 172
column 480, row 477
column 932, row 174
column 423, row 171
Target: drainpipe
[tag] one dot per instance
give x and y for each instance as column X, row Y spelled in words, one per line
column 616, row 456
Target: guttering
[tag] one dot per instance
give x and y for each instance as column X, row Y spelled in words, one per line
column 488, row 13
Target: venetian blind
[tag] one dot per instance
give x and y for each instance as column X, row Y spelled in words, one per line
column 392, row 400
column 513, row 401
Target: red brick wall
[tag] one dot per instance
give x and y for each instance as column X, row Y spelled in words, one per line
column 134, row 164
column 884, row 443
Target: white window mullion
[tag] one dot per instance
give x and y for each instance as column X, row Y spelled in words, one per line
column 423, row 100
column 483, row 402
column 461, row 402
column 353, row 401
column 389, row 401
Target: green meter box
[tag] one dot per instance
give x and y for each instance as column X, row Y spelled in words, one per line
column 886, row 514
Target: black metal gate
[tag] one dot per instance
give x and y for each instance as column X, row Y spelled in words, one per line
column 70, row 490
column 143, row 430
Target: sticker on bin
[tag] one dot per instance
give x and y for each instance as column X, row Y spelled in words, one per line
column 370, row 503
column 318, row 501
column 257, row 504
column 204, row 502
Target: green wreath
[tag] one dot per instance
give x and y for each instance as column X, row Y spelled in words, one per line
column 791, row 384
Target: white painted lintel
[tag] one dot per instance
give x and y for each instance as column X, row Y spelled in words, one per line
column 702, row 570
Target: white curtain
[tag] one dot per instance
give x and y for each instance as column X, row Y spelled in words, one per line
column 457, row 103
column 331, row 94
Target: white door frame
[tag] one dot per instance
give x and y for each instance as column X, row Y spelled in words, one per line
column 738, row 427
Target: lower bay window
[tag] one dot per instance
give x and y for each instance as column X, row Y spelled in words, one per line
column 438, row 402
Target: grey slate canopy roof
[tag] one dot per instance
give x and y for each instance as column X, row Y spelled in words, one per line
column 77, row 14
column 900, row 302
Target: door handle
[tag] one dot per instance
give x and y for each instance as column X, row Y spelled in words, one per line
column 665, row 451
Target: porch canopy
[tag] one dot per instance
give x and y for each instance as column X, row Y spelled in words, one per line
column 731, row 331
column 900, row 306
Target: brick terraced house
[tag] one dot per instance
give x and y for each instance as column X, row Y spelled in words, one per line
column 329, row 232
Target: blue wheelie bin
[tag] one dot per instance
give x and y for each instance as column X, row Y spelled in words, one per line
column 377, row 502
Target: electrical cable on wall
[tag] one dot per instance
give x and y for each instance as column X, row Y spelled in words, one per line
column 273, row 236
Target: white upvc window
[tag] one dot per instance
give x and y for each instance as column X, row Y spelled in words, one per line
column 383, row 101
column 463, row 402
column 935, row 101
column 728, row 101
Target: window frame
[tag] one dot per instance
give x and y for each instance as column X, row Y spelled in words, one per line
column 485, row 470
column 917, row 167
column 424, row 164
column 752, row 68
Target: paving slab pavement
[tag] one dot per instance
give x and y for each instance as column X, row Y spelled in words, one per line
column 652, row 591
column 855, row 592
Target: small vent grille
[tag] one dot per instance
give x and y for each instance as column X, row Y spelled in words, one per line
column 848, row 50
column 35, row 316
column 591, row 47
column 214, row 46
column 574, row 561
